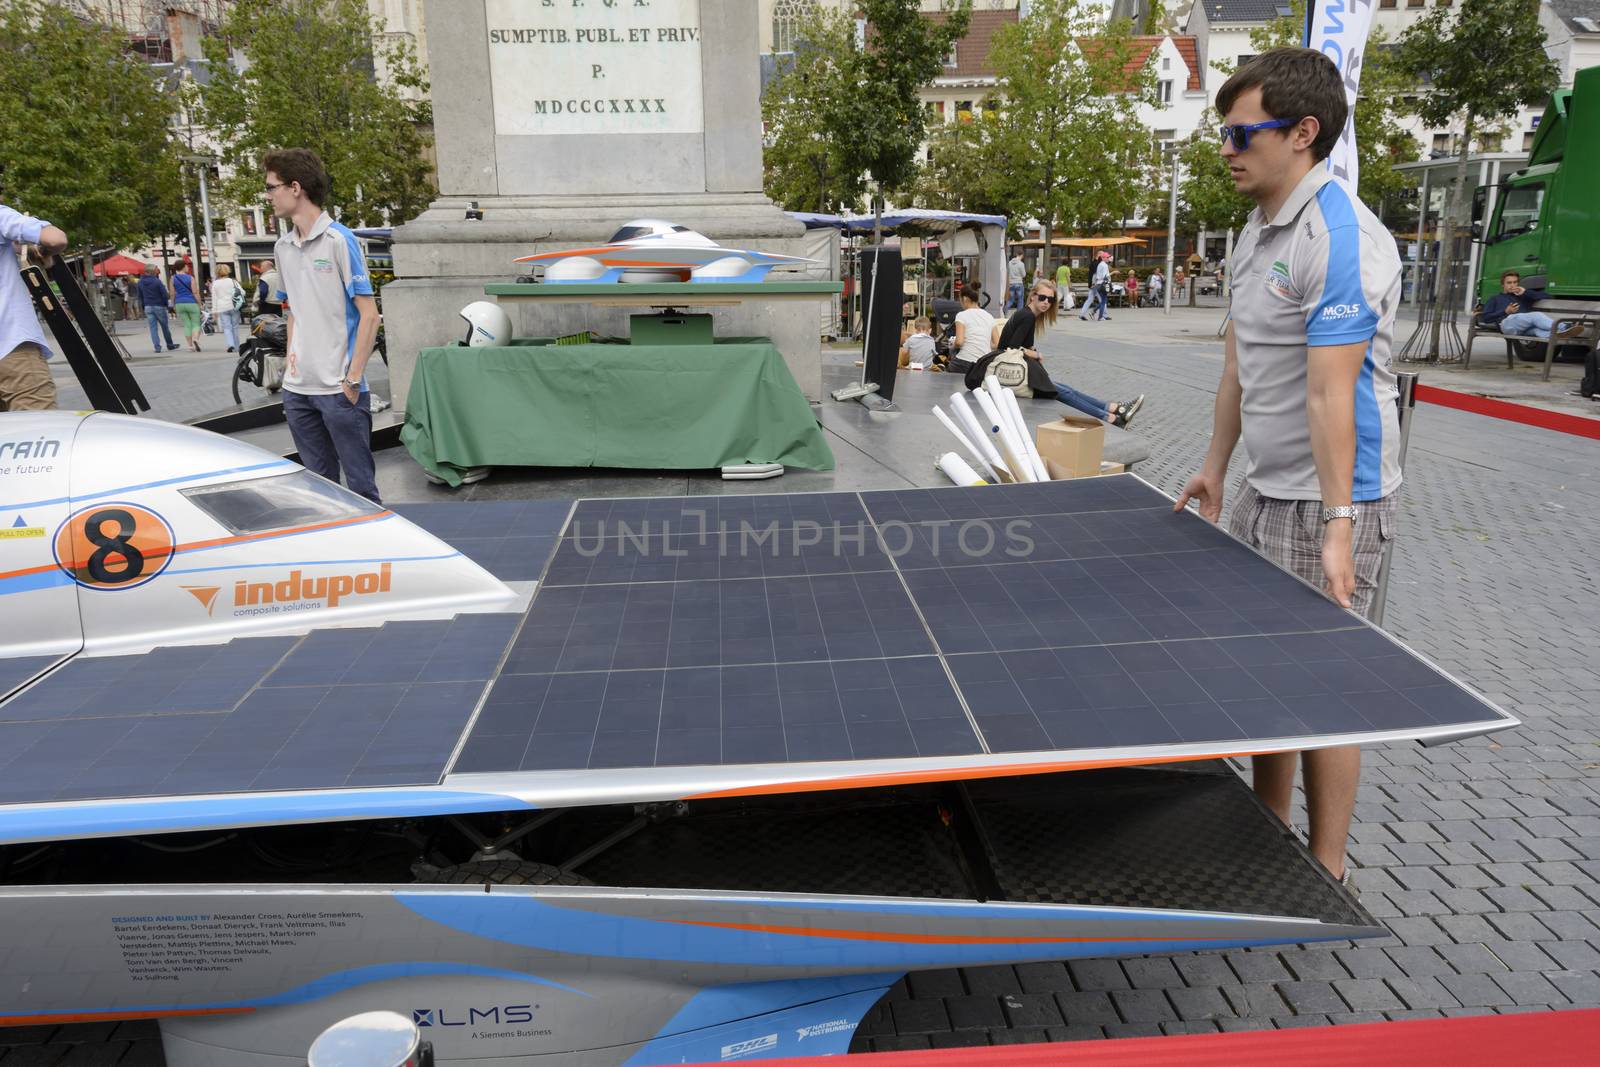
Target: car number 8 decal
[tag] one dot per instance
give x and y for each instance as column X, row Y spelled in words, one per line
column 114, row 546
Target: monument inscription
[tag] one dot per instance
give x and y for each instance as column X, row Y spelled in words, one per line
column 595, row 66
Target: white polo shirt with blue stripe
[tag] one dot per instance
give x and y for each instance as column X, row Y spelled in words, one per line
column 1322, row 271
column 320, row 275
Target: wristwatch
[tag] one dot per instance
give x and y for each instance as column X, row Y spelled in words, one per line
column 357, row 384
column 1343, row 511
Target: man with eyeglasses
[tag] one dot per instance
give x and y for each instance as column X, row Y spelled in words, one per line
column 1306, row 378
column 332, row 323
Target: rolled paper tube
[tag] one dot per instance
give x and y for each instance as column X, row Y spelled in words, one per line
column 1000, row 428
column 1034, row 458
column 966, row 444
column 958, row 470
column 997, row 394
column 1012, row 416
column 1010, row 419
column 969, row 422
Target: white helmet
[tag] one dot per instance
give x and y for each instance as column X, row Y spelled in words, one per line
column 487, row 324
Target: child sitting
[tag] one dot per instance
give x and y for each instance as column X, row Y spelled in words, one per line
column 918, row 347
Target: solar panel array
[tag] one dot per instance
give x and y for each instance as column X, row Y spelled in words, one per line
column 754, row 630
column 721, row 630
column 367, row 706
column 1063, row 615
column 339, row 707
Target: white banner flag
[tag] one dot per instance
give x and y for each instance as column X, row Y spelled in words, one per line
column 1338, row 29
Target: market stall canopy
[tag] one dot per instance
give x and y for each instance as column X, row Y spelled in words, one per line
column 117, row 265
column 1078, row 242
column 924, row 221
column 968, row 234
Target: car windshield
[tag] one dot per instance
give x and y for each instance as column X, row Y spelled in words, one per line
column 628, row 233
column 262, row 505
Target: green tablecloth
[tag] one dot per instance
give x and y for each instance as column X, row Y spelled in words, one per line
column 674, row 407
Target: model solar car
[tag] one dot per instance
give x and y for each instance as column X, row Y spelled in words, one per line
column 649, row 250
column 630, row 781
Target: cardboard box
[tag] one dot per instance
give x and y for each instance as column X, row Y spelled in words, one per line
column 1071, row 446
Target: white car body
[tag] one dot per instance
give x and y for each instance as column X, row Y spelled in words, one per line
column 652, row 250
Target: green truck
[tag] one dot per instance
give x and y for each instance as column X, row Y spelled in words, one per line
column 1546, row 218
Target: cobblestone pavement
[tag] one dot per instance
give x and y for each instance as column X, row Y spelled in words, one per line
column 1482, row 857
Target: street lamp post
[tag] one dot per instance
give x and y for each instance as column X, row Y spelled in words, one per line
column 201, row 163
column 1172, row 237
column 188, row 216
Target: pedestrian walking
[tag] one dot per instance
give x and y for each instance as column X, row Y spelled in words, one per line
column 333, row 321
column 184, row 301
column 1099, row 289
column 156, row 300
column 226, row 300
column 25, row 381
column 1064, row 286
column 1306, row 380
column 135, row 301
column 1015, row 274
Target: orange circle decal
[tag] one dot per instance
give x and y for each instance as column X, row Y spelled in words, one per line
column 114, row 546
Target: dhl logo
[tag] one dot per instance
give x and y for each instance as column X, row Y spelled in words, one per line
column 331, row 588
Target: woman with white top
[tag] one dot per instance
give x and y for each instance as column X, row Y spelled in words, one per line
column 226, row 297
column 973, row 326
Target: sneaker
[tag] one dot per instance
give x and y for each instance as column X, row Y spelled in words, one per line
column 1127, row 409
column 230, row 348
column 1570, row 331
column 1348, row 885
column 171, row 348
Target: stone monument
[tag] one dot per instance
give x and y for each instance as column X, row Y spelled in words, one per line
column 557, row 121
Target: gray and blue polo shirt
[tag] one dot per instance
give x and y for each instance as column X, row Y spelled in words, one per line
column 320, row 276
column 1322, row 271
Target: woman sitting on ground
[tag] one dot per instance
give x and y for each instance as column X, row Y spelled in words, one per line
column 972, row 329
column 1039, row 312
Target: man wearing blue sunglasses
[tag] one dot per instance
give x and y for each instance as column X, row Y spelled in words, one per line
column 1306, row 380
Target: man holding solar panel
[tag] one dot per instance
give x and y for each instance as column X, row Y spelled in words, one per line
column 1306, row 380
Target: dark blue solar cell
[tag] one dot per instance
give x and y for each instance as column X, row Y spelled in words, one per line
column 708, row 631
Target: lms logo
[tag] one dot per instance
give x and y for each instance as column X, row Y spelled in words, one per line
column 501, row 1014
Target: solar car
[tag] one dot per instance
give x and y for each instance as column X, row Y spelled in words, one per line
column 631, row 780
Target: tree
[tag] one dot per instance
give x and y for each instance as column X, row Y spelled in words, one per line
column 879, row 120
column 1068, row 131
column 307, row 80
column 1483, row 61
column 805, row 166
column 84, row 124
column 1207, row 197
column 965, row 170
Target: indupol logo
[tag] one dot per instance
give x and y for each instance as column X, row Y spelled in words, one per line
column 205, row 594
column 740, row 1049
column 330, row 588
column 496, row 1015
column 1341, row 311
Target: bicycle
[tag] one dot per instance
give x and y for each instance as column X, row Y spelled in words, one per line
column 262, row 355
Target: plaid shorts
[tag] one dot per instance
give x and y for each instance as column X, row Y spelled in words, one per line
column 1289, row 532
